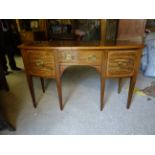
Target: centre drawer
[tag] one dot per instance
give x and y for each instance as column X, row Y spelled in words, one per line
column 80, row 56
column 41, row 63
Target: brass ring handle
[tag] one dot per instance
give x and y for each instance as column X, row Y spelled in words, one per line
column 39, row 63
column 68, row 57
column 48, row 68
column 119, row 63
column 92, row 57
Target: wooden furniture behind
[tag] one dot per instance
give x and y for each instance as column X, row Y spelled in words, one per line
column 112, row 60
column 110, row 29
column 27, row 33
column 131, row 29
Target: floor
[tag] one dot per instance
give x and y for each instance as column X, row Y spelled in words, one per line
column 81, row 114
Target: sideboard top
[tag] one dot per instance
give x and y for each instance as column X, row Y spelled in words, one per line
column 81, row 45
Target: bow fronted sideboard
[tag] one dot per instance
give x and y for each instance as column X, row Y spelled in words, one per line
column 111, row 60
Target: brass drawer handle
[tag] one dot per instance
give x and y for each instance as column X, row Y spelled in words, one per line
column 92, row 58
column 39, row 63
column 69, row 57
column 47, row 69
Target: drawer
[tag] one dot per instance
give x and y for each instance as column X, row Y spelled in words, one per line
column 82, row 57
column 41, row 63
column 121, row 63
column 34, row 55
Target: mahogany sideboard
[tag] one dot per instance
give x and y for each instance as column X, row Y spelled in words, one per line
column 111, row 60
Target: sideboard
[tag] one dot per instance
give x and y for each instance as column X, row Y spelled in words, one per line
column 111, row 60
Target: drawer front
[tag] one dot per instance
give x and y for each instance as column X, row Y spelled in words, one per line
column 121, row 63
column 47, row 56
column 41, row 63
column 82, row 57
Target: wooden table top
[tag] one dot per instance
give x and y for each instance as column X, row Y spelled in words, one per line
column 81, row 45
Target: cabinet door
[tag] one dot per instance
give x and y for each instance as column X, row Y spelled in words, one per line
column 121, row 63
column 40, row 63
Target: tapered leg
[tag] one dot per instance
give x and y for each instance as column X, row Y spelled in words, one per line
column 31, row 88
column 102, row 92
column 59, row 89
column 131, row 90
column 42, row 84
column 119, row 85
